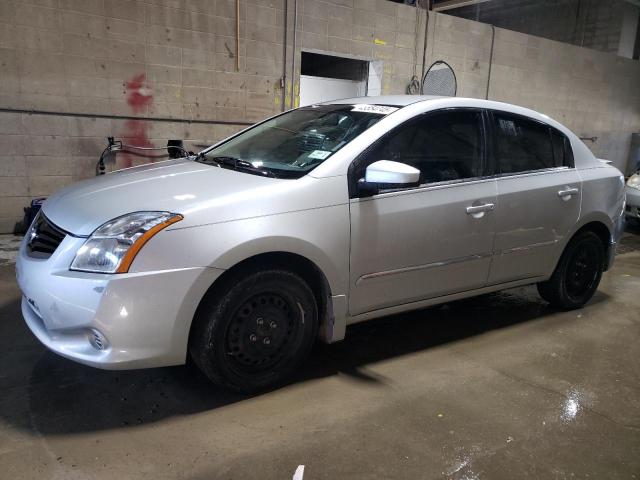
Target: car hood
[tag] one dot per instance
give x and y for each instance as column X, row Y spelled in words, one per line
column 179, row 186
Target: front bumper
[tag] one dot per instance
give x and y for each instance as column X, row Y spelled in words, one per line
column 632, row 209
column 144, row 318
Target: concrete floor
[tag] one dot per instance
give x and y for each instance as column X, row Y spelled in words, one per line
column 500, row 386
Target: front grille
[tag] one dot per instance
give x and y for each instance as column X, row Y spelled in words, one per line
column 43, row 237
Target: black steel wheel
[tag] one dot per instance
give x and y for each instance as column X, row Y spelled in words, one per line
column 263, row 331
column 578, row 273
column 582, row 269
column 254, row 334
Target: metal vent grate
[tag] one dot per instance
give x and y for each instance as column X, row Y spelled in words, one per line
column 97, row 340
column 43, row 237
column 440, row 80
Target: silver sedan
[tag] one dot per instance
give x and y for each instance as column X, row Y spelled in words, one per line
column 310, row 221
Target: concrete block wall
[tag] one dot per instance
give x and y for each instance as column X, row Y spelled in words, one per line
column 588, row 23
column 466, row 46
column 594, row 93
column 157, row 58
column 389, row 34
column 127, row 60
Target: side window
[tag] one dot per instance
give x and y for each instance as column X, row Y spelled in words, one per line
column 444, row 146
column 521, row 144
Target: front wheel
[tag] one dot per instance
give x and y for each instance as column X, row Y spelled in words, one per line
column 255, row 333
column 578, row 273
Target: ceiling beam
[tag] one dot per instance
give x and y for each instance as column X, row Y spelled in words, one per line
column 450, row 4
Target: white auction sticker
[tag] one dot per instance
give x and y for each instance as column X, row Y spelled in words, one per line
column 319, row 154
column 379, row 109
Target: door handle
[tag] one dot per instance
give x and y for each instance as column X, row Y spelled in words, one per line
column 568, row 192
column 487, row 207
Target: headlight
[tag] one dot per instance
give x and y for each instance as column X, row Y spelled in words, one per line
column 114, row 245
column 634, row 181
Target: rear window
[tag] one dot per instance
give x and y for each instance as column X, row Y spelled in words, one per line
column 523, row 145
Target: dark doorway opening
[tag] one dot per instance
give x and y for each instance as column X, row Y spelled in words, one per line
column 328, row 66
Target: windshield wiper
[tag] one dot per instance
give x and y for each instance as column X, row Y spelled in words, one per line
column 202, row 157
column 238, row 164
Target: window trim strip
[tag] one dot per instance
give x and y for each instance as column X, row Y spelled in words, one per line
column 427, row 187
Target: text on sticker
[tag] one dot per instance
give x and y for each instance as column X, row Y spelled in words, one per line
column 379, row 109
column 319, row 154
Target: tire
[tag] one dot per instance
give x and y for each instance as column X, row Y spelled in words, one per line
column 578, row 273
column 253, row 334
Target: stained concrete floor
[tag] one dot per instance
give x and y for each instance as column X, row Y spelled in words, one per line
column 500, row 386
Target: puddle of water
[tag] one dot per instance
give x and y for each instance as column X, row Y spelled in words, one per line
column 574, row 402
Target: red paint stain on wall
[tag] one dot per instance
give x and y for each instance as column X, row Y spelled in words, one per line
column 138, row 93
column 139, row 98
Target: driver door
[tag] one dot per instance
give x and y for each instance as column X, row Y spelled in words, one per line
column 418, row 243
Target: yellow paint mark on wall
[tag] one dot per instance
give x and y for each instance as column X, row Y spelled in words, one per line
column 377, row 41
column 277, row 97
column 296, row 95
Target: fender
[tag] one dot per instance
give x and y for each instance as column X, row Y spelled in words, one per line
column 597, row 216
column 297, row 246
column 592, row 217
column 333, row 327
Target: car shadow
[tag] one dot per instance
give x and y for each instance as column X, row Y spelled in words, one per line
column 632, row 226
column 402, row 334
column 48, row 394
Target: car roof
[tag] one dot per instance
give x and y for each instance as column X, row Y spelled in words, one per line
column 392, row 100
column 445, row 102
column 582, row 153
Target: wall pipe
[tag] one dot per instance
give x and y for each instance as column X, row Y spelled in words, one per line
column 493, row 38
column 121, row 117
column 238, row 34
column 283, row 80
column 424, row 48
column 293, row 59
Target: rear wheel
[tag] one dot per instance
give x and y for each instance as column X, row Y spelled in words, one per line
column 577, row 274
column 256, row 332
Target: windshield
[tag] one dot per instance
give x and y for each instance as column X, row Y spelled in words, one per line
column 292, row 144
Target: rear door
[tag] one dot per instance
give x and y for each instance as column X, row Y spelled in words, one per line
column 539, row 195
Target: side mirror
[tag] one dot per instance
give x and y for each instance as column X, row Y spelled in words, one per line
column 385, row 174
